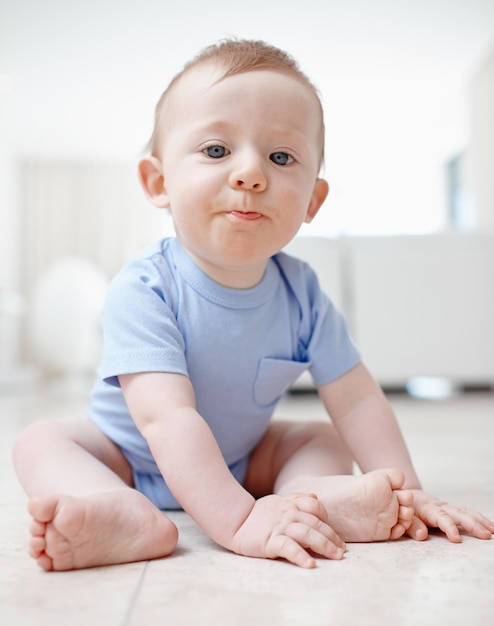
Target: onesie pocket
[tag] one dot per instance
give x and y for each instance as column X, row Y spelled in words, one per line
column 274, row 376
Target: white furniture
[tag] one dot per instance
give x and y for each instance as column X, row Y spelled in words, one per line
column 64, row 319
column 417, row 306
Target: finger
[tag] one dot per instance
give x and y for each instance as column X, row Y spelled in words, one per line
column 314, row 540
column 281, row 546
column 478, row 530
column 313, row 506
column 473, row 522
column 322, row 527
column 487, row 523
column 449, row 526
column 418, row 530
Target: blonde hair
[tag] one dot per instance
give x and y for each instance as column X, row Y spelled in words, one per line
column 231, row 57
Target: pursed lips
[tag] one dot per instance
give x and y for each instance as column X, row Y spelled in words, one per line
column 244, row 209
column 245, row 215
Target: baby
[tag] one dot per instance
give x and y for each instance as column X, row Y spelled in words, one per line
column 203, row 334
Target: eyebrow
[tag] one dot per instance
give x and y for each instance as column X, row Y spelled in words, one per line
column 221, row 126
column 213, row 125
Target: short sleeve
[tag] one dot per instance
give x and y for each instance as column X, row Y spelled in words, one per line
column 331, row 351
column 140, row 329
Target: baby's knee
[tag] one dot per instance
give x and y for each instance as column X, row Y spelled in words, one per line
column 325, row 435
column 32, row 437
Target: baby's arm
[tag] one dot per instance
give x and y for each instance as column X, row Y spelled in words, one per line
column 366, row 423
column 368, row 426
column 189, row 458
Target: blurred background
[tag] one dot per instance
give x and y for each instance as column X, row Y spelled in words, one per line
column 405, row 237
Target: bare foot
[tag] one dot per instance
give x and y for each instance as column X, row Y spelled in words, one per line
column 372, row 507
column 119, row 526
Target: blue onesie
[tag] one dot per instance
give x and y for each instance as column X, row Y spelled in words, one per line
column 241, row 349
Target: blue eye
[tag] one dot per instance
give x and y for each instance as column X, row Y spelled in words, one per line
column 216, row 152
column 281, row 158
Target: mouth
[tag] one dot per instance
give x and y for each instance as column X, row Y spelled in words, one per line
column 247, row 216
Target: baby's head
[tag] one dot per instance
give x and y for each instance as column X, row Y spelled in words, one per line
column 235, row 156
column 229, row 58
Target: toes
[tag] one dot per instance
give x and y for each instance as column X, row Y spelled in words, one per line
column 36, row 546
column 396, row 478
column 43, row 509
column 405, row 516
column 45, row 562
column 37, row 529
column 36, row 550
column 405, row 497
column 405, row 521
column 397, row 531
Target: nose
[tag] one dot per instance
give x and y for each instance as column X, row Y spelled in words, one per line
column 248, row 174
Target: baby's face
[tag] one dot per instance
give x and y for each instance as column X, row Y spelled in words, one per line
column 240, row 160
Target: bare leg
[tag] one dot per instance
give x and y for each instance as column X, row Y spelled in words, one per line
column 84, row 509
column 306, row 458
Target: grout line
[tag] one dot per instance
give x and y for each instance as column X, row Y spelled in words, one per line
column 135, row 596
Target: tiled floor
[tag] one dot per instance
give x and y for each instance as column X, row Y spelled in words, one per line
column 402, row 583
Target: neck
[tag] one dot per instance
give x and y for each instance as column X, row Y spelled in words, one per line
column 234, row 276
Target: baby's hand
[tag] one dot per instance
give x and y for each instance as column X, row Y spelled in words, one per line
column 288, row 527
column 433, row 513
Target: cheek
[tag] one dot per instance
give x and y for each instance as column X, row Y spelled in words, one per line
column 183, row 191
column 195, row 183
column 294, row 199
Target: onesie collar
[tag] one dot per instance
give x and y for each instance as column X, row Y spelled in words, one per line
column 218, row 294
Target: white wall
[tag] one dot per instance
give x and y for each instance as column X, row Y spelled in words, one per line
column 393, row 78
column 482, row 143
column 83, row 79
column 9, row 206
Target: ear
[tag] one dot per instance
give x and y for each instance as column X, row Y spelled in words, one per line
column 153, row 182
column 319, row 194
